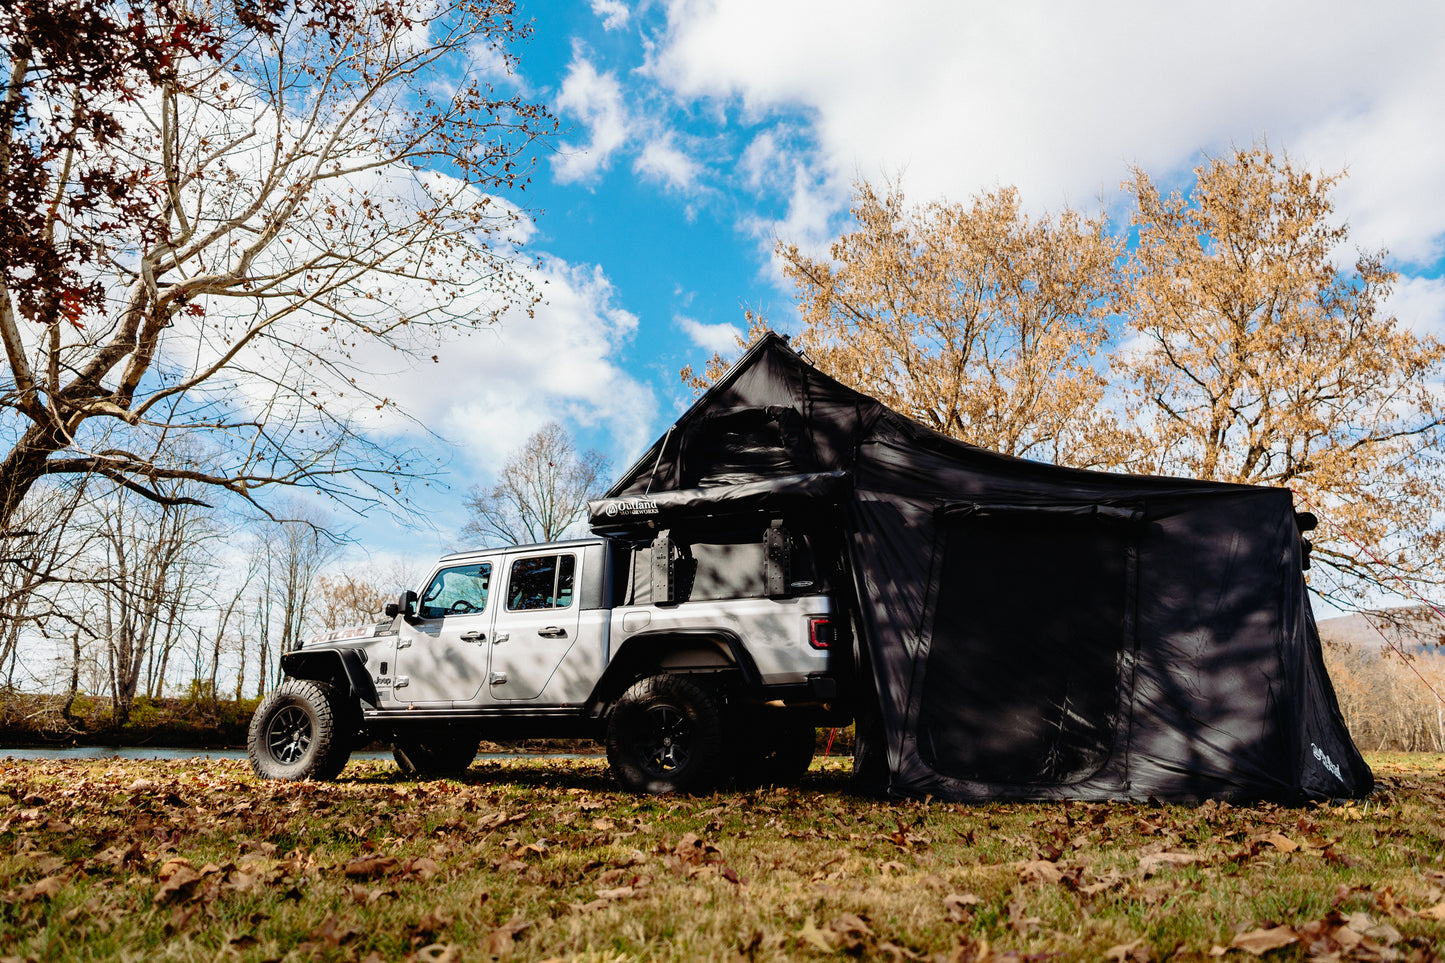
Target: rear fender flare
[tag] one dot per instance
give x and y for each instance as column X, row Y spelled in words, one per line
column 647, row 652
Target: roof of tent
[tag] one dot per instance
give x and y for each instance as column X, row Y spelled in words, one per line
column 1028, row 630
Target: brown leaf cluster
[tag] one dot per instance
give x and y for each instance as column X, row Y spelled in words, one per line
column 824, row 874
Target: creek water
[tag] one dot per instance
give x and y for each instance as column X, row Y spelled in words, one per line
column 149, row 752
column 144, row 752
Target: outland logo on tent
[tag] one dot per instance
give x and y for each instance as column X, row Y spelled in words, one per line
column 1327, row 762
column 632, row 506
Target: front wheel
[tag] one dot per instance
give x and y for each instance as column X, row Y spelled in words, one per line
column 441, row 753
column 297, row 733
column 665, row 735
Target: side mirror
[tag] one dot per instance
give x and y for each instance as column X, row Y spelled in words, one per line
column 402, row 606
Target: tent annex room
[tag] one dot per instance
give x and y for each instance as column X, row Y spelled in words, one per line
column 1022, row 630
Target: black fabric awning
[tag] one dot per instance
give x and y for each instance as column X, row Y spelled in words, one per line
column 658, row 510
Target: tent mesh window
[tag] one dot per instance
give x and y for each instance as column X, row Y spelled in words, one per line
column 1022, row 678
column 743, row 445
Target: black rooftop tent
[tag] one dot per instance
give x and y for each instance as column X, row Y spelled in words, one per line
column 1025, row 631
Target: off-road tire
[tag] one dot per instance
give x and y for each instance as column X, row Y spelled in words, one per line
column 298, row 732
column 439, row 753
column 775, row 748
column 665, row 735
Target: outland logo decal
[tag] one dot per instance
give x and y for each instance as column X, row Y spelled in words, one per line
column 632, row 506
column 1327, row 762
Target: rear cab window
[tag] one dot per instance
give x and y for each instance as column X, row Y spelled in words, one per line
column 541, row 582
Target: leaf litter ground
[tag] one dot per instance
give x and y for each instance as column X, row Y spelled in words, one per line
column 546, row 859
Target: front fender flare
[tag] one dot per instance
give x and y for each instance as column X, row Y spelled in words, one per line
column 340, row 667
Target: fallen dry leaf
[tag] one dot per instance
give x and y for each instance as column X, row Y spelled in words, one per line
column 362, row 894
column 180, row 881
column 621, row 892
column 1260, row 942
column 851, row 931
column 422, row 867
column 1152, row 863
column 45, row 888
column 1436, row 912
column 369, row 867
column 959, row 906
column 501, row 940
column 1040, row 870
column 809, row 933
column 1280, row 842
column 1135, row 952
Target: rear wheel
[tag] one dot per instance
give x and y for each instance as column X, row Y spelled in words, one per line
column 443, row 752
column 297, row 733
column 665, row 735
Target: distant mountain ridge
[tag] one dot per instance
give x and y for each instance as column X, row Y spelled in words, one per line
column 1412, row 629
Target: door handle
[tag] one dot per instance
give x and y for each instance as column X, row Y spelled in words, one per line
column 552, row 632
column 474, row 637
column 500, row 637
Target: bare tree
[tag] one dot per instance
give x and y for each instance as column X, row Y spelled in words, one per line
column 541, row 492
column 217, row 218
column 288, row 557
column 146, row 578
column 39, row 554
column 229, row 604
column 357, row 595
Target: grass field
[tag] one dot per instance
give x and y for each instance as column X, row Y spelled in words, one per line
column 541, row 860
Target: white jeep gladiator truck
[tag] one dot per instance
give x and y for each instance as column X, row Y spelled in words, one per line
column 696, row 656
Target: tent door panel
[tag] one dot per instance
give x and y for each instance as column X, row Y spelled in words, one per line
column 1022, row 674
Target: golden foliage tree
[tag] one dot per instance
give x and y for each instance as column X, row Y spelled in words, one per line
column 1239, row 347
column 976, row 320
column 1256, row 358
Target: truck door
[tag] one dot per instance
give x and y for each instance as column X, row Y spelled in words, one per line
column 442, row 655
column 535, row 624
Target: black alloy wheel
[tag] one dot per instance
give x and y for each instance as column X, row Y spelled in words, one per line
column 289, row 734
column 665, row 743
column 665, row 735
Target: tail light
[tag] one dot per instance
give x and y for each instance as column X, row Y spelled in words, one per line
column 821, row 633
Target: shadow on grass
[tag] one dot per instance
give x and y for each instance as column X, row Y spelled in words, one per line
column 584, row 775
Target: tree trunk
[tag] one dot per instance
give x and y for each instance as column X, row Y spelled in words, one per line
column 24, row 466
column 74, row 678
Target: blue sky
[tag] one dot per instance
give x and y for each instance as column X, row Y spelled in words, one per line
column 694, row 133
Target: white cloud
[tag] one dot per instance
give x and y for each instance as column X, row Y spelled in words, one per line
column 661, row 161
column 613, row 13
column 1060, row 99
column 722, row 338
column 1419, row 304
column 489, row 391
column 763, row 162
column 491, row 61
column 596, row 100
column 814, row 204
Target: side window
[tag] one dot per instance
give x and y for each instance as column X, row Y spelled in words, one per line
column 457, row 591
column 541, row 582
